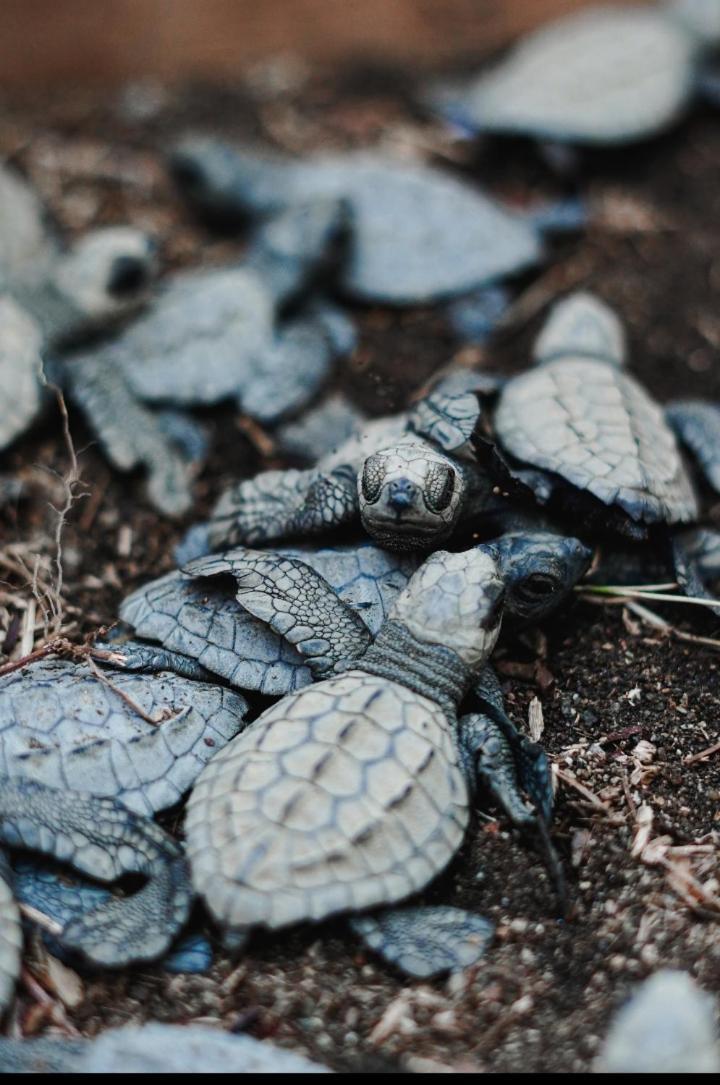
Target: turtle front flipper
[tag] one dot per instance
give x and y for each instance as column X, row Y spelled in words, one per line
column 103, row 839
column 297, row 603
column 282, row 505
column 426, row 941
column 697, row 427
column 60, row 900
column 130, row 434
column 448, row 420
column 10, row 936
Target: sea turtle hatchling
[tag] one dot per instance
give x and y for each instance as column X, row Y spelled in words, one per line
column 153, row 1048
column 220, row 333
column 609, row 74
column 212, row 335
column 590, row 445
column 196, row 616
column 416, row 234
column 354, row 793
column 50, row 295
column 410, row 479
column 135, row 740
column 103, row 839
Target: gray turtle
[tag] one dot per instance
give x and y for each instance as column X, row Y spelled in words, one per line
column 197, row 616
column 587, row 442
column 153, row 1048
column 610, row 74
column 103, row 839
column 417, row 234
column 64, row 727
column 354, row 793
column 410, row 479
column 217, row 334
column 50, row 295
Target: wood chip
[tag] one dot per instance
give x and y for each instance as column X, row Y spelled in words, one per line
column 536, row 722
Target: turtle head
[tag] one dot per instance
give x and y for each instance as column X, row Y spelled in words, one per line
column 227, row 183
column 455, row 601
column 581, row 326
column 410, row 496
column 107, row 274
column 539, row 570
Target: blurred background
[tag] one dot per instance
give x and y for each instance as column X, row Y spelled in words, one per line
column 89, row 41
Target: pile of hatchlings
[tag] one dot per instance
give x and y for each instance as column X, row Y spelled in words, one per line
column 320, row 661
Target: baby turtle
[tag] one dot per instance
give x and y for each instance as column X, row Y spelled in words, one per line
column 198, row 615
column 410, row 479
column 586, row 440
column 137, row 738
column 417, row 235
column 605, row 75
column 354, row 793
column 217, row 334
column 103, row 839
column 50, row 295
column 153, row 1048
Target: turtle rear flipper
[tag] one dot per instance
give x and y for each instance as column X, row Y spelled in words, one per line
column 296, row 602
column 102, row 838
column 424, row 942
column 282, row 505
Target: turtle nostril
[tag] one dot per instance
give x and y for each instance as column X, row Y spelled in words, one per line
column 128, row 274
column 401, row 495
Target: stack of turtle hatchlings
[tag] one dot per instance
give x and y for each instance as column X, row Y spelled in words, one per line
column 316, row 672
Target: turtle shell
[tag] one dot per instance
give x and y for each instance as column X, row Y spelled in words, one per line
column 25, row 247
column 608, row 75
column 20, row 370
column 201, row 617
column 417, row 234
column 599, row 430
column 63, row 727
column 343, row 796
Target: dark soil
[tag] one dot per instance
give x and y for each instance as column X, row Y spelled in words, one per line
column 624, row 704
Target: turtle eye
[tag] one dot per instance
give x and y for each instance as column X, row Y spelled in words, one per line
column 128, row 275
column 439, row 487
column 373, row 476
column 539, row 585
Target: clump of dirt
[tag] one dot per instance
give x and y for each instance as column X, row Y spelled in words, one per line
column 627, row 708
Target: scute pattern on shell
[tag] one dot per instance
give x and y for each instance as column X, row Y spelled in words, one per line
column 63, row 727
column 596, row 427
column 201, row 618
column 601, row 76
column 338, row 798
